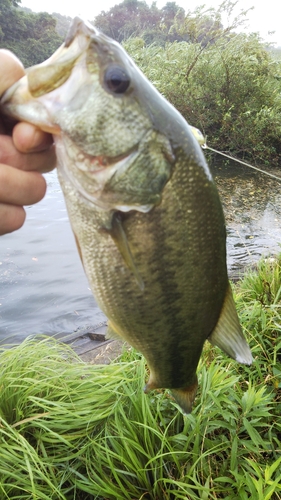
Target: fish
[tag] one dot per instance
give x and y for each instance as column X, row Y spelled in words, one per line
column 142, row 203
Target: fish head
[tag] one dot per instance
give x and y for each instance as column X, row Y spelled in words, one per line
column 87, row 72
column 110, row 124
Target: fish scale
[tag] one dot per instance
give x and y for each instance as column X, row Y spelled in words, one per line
column 142, row 203
column 170, row 287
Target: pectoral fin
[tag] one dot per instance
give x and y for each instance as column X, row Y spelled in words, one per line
column 111, row 332
column 228, row 334
column 78, row 248
column 120, row 239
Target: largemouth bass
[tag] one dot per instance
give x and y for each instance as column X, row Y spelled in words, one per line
column 142, row 203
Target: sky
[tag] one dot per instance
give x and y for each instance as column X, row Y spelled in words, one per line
column 264, row 18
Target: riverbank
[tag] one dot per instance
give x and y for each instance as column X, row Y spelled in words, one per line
column 74, row 430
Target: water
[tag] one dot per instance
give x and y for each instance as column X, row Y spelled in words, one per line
column 252, row 207
column 43, row 288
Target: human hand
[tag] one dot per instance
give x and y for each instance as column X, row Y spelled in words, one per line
column 24, row 156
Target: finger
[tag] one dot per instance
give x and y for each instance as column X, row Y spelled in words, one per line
column 44, row 161
column 28, row 138
column 12, row 69
column 20, row 188
column 12, row 218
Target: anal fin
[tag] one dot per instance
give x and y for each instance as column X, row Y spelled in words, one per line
column 228, row 334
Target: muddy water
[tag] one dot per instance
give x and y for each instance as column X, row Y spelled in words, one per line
column 42, row 285
column 252, row 207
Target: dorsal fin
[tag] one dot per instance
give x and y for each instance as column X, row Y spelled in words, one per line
column 228, row 334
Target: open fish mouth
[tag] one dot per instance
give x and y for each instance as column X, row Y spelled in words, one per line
column 50, row 86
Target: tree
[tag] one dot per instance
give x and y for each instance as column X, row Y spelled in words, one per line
column 63, row 23
column 32, row 37
column 136, row 18
column 7, row 4
column 131, row 17
column 171, row 23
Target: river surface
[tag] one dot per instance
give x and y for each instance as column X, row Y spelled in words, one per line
column 42, row 284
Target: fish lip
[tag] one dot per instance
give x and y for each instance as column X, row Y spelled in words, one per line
column 79, row 26
column 14, row 109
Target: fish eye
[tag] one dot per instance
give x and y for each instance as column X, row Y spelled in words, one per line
column 116, row 79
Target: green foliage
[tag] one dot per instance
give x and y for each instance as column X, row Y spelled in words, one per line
column 7, row 4
column 32, row 37
column 127, row 18
column 226, row 84
column 70, row 430
column 229, row 89
column 63, row 23
column 259, row 303
column 276, row 54
column 134, row 18
column 137, row 18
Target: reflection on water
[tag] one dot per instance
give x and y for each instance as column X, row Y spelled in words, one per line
column 252, row 207
column 42, row 284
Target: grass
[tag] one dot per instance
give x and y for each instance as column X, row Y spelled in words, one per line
column 70, row 430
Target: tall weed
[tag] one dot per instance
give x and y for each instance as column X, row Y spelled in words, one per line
column 70, row 430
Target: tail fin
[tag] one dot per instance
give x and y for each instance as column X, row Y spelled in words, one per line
column 185, row 397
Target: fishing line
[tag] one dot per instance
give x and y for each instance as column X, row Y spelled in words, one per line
column 204, row 146
column 202, row 141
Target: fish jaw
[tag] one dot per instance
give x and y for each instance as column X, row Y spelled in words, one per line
column 19, row 103
column 48, row 87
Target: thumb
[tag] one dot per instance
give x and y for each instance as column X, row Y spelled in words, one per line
column 11, row 69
